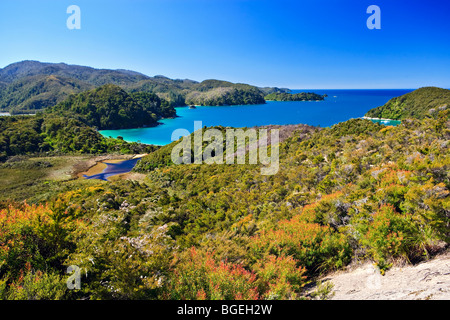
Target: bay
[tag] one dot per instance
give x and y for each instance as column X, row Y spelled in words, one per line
column 339, row 106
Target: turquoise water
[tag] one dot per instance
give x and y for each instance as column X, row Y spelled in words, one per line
column 386, row 122
column 339, row 106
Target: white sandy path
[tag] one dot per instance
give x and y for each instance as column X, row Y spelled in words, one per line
column 427, row 280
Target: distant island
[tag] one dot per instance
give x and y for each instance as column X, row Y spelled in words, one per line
column 302, row 96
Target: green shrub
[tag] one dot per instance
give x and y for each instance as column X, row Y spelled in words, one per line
column 389, row 235
column 280, row 278
column 37, row 286
column 198, row 276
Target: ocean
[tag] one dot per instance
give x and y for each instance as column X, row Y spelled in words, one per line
column 339, row 106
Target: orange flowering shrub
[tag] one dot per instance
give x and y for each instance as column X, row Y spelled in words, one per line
column 430, row 204
column 329, row 210
column 21, row 240
column 198, row 276
column 37, row 235
column 280, row 277
column 390, row 174
column 314, row 246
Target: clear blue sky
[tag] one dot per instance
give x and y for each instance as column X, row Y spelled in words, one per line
column 295, row 44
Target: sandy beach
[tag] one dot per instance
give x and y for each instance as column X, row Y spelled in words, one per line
column 369, row 118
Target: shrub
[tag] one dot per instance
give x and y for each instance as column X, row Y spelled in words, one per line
column 315, row 247
column 198, row 276
column 280, row 277
column 21, row 241
column 37, row 286
column 389, row 235
column 122, row 267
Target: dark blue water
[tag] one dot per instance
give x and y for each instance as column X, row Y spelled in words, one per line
column 113, row 169
column 339, row 106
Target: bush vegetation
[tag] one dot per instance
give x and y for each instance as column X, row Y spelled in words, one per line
column 357, row 190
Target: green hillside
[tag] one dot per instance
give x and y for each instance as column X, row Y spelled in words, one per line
column 28, row 86
column 356, row 191
column 55, row 135
column 222, row 96
column 95, row 77
column 34, row 93
column 107, row 107
column 419, row 104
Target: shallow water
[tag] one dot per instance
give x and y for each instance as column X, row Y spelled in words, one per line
column 114, row 168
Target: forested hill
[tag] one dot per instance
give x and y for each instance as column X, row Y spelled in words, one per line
column 107, row 107
column 55, row 135
column 28, row 86
column 25, row 86
column 70, row 127
column 219, row 93
column 302, row 96
column 97, row 77
column 418, row 104
column 37, row 92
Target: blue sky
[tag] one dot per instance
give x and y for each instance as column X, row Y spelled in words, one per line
column 296, row 44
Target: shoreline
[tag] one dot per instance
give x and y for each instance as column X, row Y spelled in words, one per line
column 88, row 167
column 383, row 119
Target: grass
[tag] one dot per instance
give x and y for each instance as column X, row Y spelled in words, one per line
column 35, row 179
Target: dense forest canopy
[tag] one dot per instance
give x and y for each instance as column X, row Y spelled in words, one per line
column 159, row 108
column 71, row 126
column 54, row 135
column 302, row 96
column 110, row 107
column 420, row 103
column 223, row 96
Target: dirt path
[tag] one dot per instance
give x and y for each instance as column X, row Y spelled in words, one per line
column 427, row 280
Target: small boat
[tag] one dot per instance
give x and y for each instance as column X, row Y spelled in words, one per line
column 192, row 107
